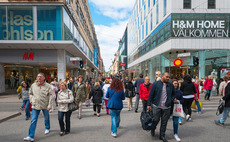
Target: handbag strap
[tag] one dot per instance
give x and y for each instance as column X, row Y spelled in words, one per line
column 112, row 95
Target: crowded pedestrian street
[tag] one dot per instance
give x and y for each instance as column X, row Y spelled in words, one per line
column 91, row 128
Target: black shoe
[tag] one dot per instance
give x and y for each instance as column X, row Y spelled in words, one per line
column 136, row 111
column 66, row 133
column 61, row 133
column 153, row 133
column 163, row 139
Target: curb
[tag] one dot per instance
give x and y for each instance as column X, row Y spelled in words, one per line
column 10, row 117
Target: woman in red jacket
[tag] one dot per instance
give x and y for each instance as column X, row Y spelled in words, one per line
column 144, row 91
column 208, row 83
column 196, row 97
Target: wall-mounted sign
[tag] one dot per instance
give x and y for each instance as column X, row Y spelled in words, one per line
column 75, row 59
column 178, row 62
column 184, row 55
column 122, row 64
column 28, row 56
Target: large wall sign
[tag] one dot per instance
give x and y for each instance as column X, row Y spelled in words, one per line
column 95, row 57
column 200, row 25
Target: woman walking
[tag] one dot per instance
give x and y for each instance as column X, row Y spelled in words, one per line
column 208, row 84
column 179, row 100
column 115, row 94
column 54, row 90
column 64, row 97
column 88, row 88
column 129, row 93
column 105, row 89
column 25, row 98
column 97, row 95
column 188, row 89
column 196, row 97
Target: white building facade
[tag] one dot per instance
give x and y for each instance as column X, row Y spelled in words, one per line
column 160, row 31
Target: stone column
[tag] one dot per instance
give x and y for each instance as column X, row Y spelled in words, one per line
column 201, row 64
column 2, row 79
column 61, row 64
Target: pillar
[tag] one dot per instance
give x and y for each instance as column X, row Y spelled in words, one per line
column 2, row 78
column 61, row 64
column 201, row 64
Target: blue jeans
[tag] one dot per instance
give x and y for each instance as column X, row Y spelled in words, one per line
column 115, row 119
column 175, row 124
column 180, row 119
column 35, row 114
column 22, row 106
column 225, row 114
column 208, row 93
column 198, row 105
column 27, row 105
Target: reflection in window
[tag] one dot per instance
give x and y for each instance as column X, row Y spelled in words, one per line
column 211, row 4
column 187, row 4
column 3, row 33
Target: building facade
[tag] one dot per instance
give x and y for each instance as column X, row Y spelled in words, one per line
column 45, row 36
column 160, row 31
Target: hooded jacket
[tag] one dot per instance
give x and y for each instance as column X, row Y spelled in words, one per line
column 144, row 92
column 97, row 95
column 208, row 84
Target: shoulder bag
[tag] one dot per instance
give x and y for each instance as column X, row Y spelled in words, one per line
column 74, row 105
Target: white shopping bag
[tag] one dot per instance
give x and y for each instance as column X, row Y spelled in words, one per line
column 178, row 110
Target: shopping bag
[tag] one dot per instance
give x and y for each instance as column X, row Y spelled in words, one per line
column 194, row 105
column 30, row 107
column 146, row 120
column 178, row 110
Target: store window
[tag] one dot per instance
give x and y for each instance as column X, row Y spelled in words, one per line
column 49, row 23
column 187, row 4
column 20, row 24
column 154, row 2
column 211, row 4
column 3, row 33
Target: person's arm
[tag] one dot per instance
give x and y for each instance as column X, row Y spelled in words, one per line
column 204, row 85
column 181, row 98
column 91, row 94
column 140, row 91
column 151, row 95
column 173, row 92
column 107, row 93
column 70, row 99
column 227, row 92
column 182, row 87
column 50, row 98
column 135, row 84
column 123, row 95
column 221, row 88
column 31, row 94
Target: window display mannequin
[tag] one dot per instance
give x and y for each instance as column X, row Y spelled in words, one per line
column 17, row 80
column 28, row 79
column 12, row 80
column 21, row 78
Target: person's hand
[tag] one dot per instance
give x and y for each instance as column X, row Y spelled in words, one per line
column 48, row 109
column 175, row 101
column 149, row 107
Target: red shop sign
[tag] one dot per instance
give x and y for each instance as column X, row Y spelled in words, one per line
column 122, row 64
column 28, row 56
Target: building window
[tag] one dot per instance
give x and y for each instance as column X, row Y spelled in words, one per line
column 146, row 24
column 165, row 7
column 187, row 4
column 154, row 2
column 151, row 25
column 211, row 4
column 157, row 13
column 143, row 32
column 148, row 5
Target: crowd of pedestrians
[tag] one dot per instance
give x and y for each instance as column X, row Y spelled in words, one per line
column 159, row 97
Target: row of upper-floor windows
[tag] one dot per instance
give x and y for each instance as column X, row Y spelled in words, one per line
column 211, row 4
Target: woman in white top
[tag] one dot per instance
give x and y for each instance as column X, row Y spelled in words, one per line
column 105, row 89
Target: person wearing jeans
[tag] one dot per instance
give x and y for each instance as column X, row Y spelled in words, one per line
column 25, row 98
column 105, row 89
column 208, row 84
column 196, row 96
column 161, row 97
column 144, row 91
column 226, row 100
column 137, row 84
column 39, row 102
column 64, row 98
column 115, row 94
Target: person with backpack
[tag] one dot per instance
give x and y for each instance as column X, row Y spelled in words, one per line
column 144, row 91
column 115, row 94
column 129, row 92
column 97, row 94
column 226, row 100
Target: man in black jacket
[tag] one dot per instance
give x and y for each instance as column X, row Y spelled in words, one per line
column 226, row 100
column 137, row 85
column 161, row 96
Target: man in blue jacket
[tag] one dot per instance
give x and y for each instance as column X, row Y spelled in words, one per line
column 161, row 96
column 137, row 85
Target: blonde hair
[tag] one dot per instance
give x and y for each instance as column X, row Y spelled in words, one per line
column 66, row 86
column 97, row 84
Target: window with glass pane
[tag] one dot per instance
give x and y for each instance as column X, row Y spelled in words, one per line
column 3, row 33
column 20, row 24
column 211, row 4
column 165, row 7
column 187, row 4
column 157, row 13
column 146, row 33
column 49, row 23
column 67, row 26
column 154, row 2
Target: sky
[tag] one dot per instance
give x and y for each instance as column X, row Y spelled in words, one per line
column 110, row 18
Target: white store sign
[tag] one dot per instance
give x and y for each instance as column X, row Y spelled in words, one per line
column 200, row 28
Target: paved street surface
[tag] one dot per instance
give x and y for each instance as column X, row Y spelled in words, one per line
column 93, row 129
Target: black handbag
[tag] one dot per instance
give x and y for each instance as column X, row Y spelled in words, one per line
column 220, row 108
column 146, row 120
column 74, row 105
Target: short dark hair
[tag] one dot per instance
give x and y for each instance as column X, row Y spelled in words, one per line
column 187, row 78
column 141, row 75
column 42, row 74
column 165, row 73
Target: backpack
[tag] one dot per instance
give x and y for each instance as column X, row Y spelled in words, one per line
column 201, row 83
column 146, row 120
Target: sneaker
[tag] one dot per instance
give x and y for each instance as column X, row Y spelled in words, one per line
column 177, row 138
column 180, row 123
column 28, row 118
column 51, row 111
column 47, row 131
column 187, row 117
column 190, row 119
column 28, row 139
column 218, row 123
column 114, row 135
column 199, row 112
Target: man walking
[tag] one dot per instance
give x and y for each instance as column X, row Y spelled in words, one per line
column 161, row 96
column 137, row 85
column 144, row 91
column 41, row 99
